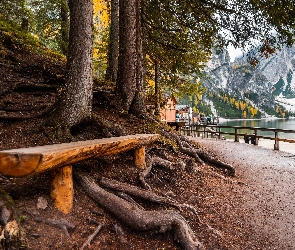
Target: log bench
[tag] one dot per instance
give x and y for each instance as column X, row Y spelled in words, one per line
column 58, row 158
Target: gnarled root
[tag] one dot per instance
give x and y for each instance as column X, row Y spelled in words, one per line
column 145, row 194
column 207, row 157
column 138, row 219
column 150, row 162
column 198, row 154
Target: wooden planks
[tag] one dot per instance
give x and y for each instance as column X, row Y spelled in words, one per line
column 33, row 160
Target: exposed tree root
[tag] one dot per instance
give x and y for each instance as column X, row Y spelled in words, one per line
column 150, row 162
column 198, row 154
column 18, row 117
column 62, row 224
column 91, row 237
column 218, row 163
column 138, row 219
column 129, row 199
column 121, row 235
column 145, row 194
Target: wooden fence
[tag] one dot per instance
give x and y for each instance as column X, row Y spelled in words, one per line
column 217, row 131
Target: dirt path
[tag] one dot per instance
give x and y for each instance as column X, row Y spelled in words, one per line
column 269, row 190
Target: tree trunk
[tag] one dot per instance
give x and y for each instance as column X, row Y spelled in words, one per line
column 138, row 104
column 126, row 82
column 64, row 13
column 75, row 103
column 112, row 69
column 130, row 86
column 157, row 89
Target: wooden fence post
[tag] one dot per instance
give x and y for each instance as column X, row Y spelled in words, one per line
column 276, row 145
column 236, row 135
column 255, row 136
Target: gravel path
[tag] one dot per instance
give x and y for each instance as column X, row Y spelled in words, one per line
column 269, row 190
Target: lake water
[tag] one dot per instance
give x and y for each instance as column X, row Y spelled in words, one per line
column 264, row 123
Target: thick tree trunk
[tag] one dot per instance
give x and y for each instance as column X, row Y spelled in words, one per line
column 130, row 94
column 75, row 103
column 112, row 69
column 138, row 104
column 126, row 82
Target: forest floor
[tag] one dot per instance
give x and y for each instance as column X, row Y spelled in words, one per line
column 252, row 210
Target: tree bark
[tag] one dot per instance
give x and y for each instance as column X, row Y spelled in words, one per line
column 126, row 82
column 157, row 89
column 138, row 219
column 112, row 68
column 64, row 13
column 138, row 104
column 130, row 86
column 75, row 102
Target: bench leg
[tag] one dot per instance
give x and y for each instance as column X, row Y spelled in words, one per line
column 62, row 190
column 139, row 157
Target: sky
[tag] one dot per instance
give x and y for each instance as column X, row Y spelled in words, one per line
column 233, row 53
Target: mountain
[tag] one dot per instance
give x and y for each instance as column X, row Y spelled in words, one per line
column 255, row 87
column 279, row 70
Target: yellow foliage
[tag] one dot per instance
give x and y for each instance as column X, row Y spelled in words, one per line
column 242, row 105
column 101, row 14
column 232, row 100
column 101, row 21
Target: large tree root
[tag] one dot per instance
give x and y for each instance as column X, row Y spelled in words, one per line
column 198, row 154
column 150, row 162
column 145, row 194
column 207, row 157
column 138, row 219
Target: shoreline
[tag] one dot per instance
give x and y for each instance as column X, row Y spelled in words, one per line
column 269, row 144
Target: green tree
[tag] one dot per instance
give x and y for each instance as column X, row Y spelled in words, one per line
column 51, row 23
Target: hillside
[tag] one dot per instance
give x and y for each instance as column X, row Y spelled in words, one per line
column 258, row 86
column 31, row 78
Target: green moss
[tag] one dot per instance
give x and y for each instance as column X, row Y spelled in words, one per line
column 22, row 40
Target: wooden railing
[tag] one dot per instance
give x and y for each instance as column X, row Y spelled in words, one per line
column 216, row 131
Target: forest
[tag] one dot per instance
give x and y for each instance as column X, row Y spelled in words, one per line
column 82, row 70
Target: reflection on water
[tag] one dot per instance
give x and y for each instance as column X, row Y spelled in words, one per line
column 264, row 123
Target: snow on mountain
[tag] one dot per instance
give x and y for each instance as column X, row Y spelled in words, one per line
column 271, row 82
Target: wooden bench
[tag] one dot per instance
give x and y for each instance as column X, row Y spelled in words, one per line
column 58, row 158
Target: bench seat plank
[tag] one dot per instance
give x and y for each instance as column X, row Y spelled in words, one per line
column 33, row 160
